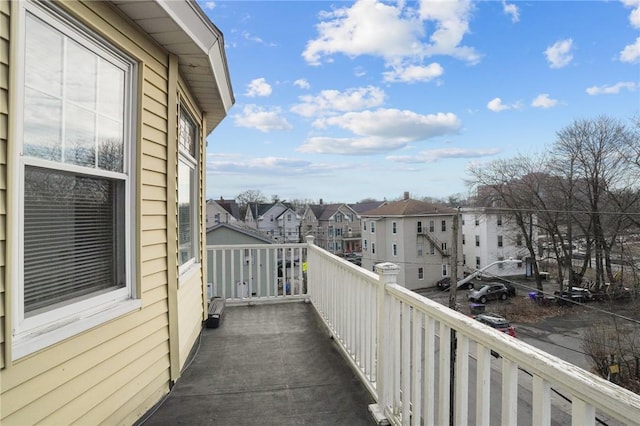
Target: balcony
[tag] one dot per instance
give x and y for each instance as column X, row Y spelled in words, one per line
column 405, row 359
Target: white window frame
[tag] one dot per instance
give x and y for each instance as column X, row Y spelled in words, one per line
column 394, row 249
column 190, row 161
column 420, row 273
column 42, row 329
column 445, row 271
column 394, row 227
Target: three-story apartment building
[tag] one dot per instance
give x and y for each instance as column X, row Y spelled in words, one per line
column 336, row 227
column 488, row 235
column 415, row 235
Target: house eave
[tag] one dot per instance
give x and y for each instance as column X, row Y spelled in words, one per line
column 183, row 29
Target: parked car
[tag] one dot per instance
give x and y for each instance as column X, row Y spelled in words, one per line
column 487, row 292
column 445, row 283
column 498, row 322
column 576, row 294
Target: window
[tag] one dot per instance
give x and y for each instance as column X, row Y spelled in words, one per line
column 420, row 273
column 477, row 262
column 464, row 260
column 74, row 180
column 500, row 265
column 443, row 246
column 364, row 225
column 216, row 218
column 443, row 226
column 499, row 240
column 463, row 240
column 364, row 245
column 477, row 240
column 394, row 249
column 289, row 217
column 338, row 217
column 373, row 227
column 338, row 232
column 432, row 226
column 393, row 227
column 432, row 249
column 477, row 220
column 499, row 220
column 419, row 227
column 330, row 231
column 373, row 248
column 519, row 240
column 187, row 190
column 444, row 270
column 420, row 250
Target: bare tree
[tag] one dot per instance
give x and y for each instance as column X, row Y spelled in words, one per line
column 514, row 186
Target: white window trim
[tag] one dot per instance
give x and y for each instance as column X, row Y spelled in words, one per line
column 44, row 329
column 186, row 270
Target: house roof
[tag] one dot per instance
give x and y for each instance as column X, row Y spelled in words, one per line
column 409, row 207
column 366, row 206
column 182, row 28
column 242, row 230
column 230, row 206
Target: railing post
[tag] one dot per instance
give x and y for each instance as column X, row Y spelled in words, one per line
column 388, row 273
column 305, row 264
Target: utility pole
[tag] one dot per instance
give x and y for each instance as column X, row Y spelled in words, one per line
column 453, row 287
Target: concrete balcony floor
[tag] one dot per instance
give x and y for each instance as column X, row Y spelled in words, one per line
column 268, row 365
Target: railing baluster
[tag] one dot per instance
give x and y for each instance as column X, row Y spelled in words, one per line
column 461, row 389
column 405, row 369
column 445, row 361
column 483, row 385
column 541, row 401
column 582, row 414
column 509, row 392
column 429, row 369
column 416, row 362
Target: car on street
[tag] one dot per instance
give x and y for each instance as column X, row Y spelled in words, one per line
column 576, row 294
column 492, row 291
column 498, row 322
column 445, row 283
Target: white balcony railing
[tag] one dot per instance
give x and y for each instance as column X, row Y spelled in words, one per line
column 423, row 363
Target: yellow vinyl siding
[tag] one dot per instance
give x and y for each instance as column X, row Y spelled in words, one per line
column 115, row 372
column 4, row 134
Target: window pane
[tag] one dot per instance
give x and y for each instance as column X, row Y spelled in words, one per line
column 187, row 134
column 43, row 60
column 73, row 237
column 79, row 143
column 80, row 76
column 186, row 198
column 110, row 145
column 111, row 90
column 42, row 128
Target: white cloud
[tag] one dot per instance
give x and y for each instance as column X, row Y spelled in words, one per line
column 379, row 131
column 332, row 101
column 496, row 105
column 559, row 54
column 631, row 52
column 258, row 87
column 282, row 166
column 614, row 89
column 634, row 17
column 544, row 101
column 355, row 30
column 265, row 120
column 209, row 5
column 413, row 73
column 511, row 9
column 302, row 83
column 433, row 155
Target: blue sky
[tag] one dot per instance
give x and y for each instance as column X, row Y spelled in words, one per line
column 349, row 100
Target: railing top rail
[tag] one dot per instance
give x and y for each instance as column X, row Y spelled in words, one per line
column 588, row 387
column 255, row 246
column 345, row 263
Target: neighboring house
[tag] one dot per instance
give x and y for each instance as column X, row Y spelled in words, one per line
column 277, row 220
column 335, row 227
column 221, row 211
column 415, row 235
column 490, row 236
column 230, row 234
column 104, row 111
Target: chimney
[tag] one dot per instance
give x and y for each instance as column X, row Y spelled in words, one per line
column 406, row 195
column 320, row 201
